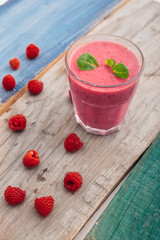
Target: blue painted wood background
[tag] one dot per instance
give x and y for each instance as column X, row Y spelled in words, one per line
column 51, row 24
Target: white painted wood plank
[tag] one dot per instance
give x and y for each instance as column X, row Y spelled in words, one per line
column 102, row 162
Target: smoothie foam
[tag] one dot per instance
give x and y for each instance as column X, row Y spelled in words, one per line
column 103, row 75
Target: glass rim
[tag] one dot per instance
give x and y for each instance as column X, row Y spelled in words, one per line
column 105, row 86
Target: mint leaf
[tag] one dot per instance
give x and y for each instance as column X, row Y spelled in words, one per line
column 87, row 62
column 121, row 70
column 110, row 62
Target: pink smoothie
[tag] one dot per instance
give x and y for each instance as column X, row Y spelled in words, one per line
column 103, row 106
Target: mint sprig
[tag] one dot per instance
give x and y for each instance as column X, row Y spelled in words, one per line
column 87, row 62
column 120, row 69
column 110, row 62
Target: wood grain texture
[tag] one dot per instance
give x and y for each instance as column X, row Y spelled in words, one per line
column 52, row 25
column 103, row 161
column 134, row 211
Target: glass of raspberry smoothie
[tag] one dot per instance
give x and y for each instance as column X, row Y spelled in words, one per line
column 100, row 98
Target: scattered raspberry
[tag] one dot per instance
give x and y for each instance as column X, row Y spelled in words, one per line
column 14, row 196
column 44, row 205
column 8, row 82
column 32, row 51
column 14, row 63
column 70, row 95
column 72, row 143
column 31, row 159
column 35, row 86
column 73, row 181
column 17, row 122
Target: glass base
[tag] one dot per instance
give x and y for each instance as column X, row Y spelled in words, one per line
column 97, row 131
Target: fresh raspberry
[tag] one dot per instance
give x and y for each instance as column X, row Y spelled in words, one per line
column 44, row 205
column 73, row 181
column 72, row 143
column 14, row 196
column 31, row 159
column 17, row 122
column 8, row 82
column 35, row 86
column 14, row 63
column 32, row 51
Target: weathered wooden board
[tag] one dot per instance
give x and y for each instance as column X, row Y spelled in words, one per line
column 52, row 25
column 103, row 161
column 134, row 211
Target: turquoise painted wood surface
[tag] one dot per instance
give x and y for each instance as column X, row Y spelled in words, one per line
column 51, row 24
column 134, row 213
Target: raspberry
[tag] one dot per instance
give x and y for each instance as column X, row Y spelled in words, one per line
column 17, row 122
column 35, row 86
column 14, row 196
column 8, row 82
column 14, row 63
column 32, row 51
column 73, row 181
column 44, row 205
column 73, row 143
column 31, row 159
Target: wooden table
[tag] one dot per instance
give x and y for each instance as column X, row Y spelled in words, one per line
column 104, row 161
column 134, row 211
